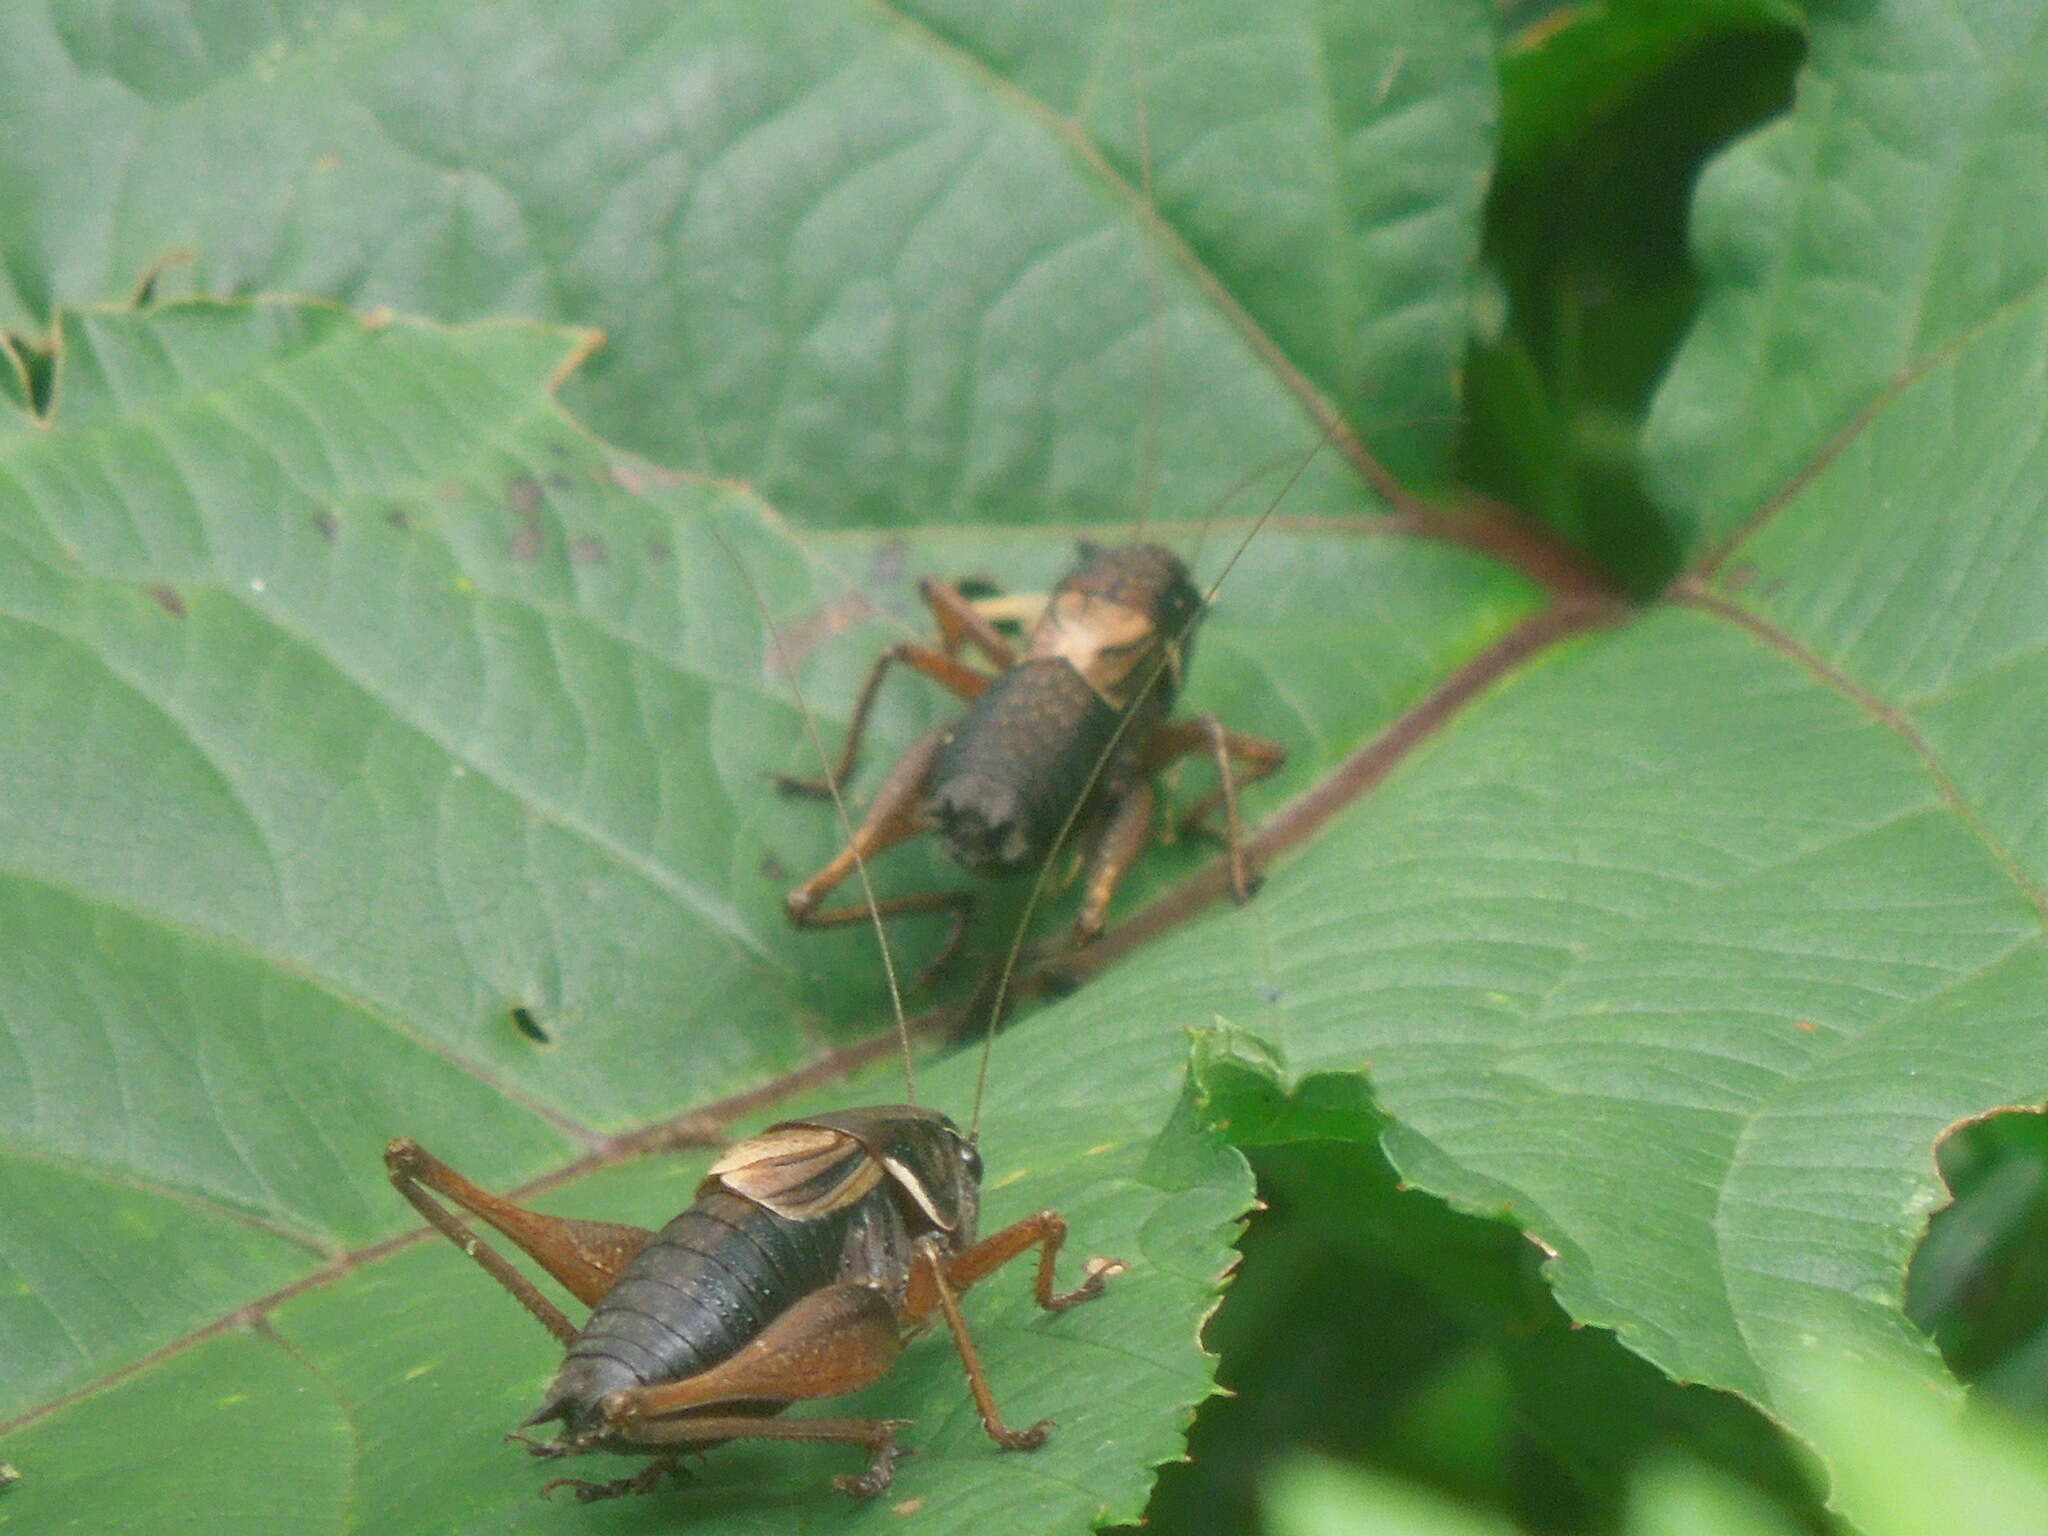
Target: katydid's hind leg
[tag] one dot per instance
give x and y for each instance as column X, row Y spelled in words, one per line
column 878, row 1435
column 1127, row 829
column 959, row 905
column 952, row 674
column 895, row 817
column 831, row 1342
column 584, row 1256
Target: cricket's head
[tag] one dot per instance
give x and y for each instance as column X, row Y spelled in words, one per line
column 1119, row 616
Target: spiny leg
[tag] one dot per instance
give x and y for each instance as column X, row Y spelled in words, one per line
column 878, row 1435
column 895, row 817
column 1047, row 1231
column 1260, row 757
column 931, row 1285
column 959, row 679
column 1126, row 830
column 642, row 1481
column 959, row 905
column 831, row 1342
column 585, row 1256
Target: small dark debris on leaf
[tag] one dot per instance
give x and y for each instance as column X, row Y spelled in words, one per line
column 524, row 1021
column 658, row 550
column 1269, row 994
column 398, row 517
column 168, row 600
column 772, row 869
column 974, row 588
column 588, row 550
column 325, row 525
column 525, row 543
column 561, row 480
column 522, row 495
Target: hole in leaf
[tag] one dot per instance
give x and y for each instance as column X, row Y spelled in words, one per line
column 1372, row 1323
column 1979, row 1280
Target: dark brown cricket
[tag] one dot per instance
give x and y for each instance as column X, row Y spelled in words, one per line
column 811, row 1253
column 1070, row 733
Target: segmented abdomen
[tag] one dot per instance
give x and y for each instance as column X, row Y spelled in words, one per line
column 707, row 1283
column 1004, row 781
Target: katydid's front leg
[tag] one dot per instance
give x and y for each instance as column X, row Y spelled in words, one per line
column 937, row 1278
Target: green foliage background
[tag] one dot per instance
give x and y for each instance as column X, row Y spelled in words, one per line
column 1656, row 882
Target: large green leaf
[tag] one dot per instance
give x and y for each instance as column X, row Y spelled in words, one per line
column 886, row 262
column 359, row 700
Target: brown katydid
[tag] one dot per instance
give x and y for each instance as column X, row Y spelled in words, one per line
column 1066, row 737
column 813, row 1251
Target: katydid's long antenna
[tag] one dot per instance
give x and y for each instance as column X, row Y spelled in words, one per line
column 1130, row 713
column 1155, row 343
column 860, row 864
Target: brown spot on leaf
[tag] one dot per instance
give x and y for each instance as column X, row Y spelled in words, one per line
column 522, row 495
column 588, row 550
column 561, row 480
column 658, row 550
column 451, row 490
column 628, row 478
column 772, row 869
column 168, row 600
column 525, row 543
column 325, row 525
column 804, row 636
column 398, row 518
